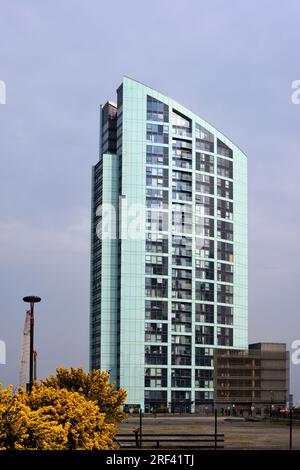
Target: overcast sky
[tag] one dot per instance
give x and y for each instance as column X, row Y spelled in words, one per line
column 232, row 62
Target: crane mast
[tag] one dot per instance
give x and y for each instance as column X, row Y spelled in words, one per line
column 25, row 352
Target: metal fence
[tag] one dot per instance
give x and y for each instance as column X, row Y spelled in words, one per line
column 139, row 439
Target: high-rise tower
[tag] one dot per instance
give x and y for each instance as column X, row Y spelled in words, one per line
column 169, row 249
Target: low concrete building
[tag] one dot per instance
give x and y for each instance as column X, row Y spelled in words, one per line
column 254, row 380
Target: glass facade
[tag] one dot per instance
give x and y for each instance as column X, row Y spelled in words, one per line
column 162, row 302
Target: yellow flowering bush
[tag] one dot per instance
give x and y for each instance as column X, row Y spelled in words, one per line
column 71, row 411
column 22, row 428
column 94, row 386
column 14, row 419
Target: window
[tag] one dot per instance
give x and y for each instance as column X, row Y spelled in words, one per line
column 224, row 188
column 179, row 195
column 224, row 168
column 225, row 251
column 182, row 144
column 181, row 396
column 204, row 184
column 225, row 272
column 157, row 176
column 109, row 135
column 157, row 155
column 156, row 244
column 182, row 207
column 181, row 176
column 157, row 265
column 182, row 222
column 204, row 357
column 204, row 269
column 179, row 339
column 181, row 354
column 181, row 120
column 225, row 294
column 204, row 227
column 182, row 250
column 204, row 205
column 156, row 377
column 204, row 162
column 225, row 336
column 204, row 378
column 205, row 291
column 181, row 378
column 181, row 317
column 156, row 332
column 156, row 203
column 156, row 110
column 204, row 313
column 154, row 171
column 157, row 221
column 156, row 396
column 182, row 307
column 157, row 198
column 156, row 354
column 156, row 310
column 203, row 396
column 181, row 289
column 225, row 315
column 204, row 334
column 204, row 247
column 158, row 133
column 182, row 283
column 225, row 209
column 156, row 287
column 182, row 155
column 204, row 139
column 182, row 274
column 181, row 181
column 225, row 230
column 223, row 149
column 181, row 125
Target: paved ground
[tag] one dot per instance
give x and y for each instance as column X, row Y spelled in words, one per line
column 238, row 434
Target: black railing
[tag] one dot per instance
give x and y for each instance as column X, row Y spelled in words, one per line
column 199, row 441
column 203, row 441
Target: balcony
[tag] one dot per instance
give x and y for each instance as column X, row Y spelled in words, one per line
column 185, row 164
column 182, row 132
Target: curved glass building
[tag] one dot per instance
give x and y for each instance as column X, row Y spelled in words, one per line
column 169, row 250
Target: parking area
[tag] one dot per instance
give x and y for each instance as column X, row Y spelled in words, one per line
column 238, row 434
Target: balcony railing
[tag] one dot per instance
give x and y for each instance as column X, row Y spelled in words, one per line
column 182, row 132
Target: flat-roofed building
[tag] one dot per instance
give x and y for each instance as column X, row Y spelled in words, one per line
column 257, row 377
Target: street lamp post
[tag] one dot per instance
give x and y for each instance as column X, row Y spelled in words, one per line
column 31, row 299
